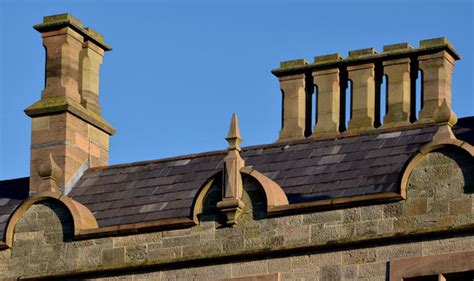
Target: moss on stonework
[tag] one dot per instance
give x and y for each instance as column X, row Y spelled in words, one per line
column 52, row 105
column 368, row 55
column 293, row 63
column 59, row 21
column 62, row 18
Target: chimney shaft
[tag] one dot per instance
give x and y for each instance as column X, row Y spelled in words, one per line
column 436, row 71
column 294, row 107
column 91, row 57
column 435, row 58
column 328, row 89
column 363, row 96
column 66, row 124
column 62, row 58
column 398, row 92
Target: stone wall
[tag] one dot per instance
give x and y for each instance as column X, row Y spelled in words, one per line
column 350, row 243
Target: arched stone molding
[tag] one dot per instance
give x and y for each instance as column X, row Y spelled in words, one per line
column 427, row 148
column 274, row 193
column 83, row 219
column 199, row 199
column 275, row 196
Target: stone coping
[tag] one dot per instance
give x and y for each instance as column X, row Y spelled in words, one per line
column 362, row 56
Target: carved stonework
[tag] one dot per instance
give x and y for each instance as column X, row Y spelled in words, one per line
column 446, row 118
column 49, row 172
column 232, row 204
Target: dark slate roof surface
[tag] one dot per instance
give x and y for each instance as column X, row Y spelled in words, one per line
column 307, row 170
column 464, row 129
column 12, row 193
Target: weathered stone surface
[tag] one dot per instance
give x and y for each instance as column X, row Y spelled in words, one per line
column 43, row 244
column 293, row 89
column 73, row 57
column 113, row 256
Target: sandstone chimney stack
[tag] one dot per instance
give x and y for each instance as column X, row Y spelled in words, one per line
column 364, row 70
column 66, row 121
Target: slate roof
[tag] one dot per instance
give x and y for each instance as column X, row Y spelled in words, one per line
column 307, row 170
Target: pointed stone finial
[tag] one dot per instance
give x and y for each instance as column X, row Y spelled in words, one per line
column 445, row 115
column 232, row 204
column 49, row 172
column 233, row 137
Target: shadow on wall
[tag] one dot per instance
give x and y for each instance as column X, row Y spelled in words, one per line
column 466, row 163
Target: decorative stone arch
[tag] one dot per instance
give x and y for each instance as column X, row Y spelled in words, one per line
column 199, row 198
column 427, row 148
column 273, row 192
column 275, row 196
column 82, row 218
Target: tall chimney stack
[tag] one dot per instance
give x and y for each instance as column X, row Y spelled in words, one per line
column 66, row 121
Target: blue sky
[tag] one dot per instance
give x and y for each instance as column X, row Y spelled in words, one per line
column 179, row 69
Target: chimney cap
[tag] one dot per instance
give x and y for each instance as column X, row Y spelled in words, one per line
column 293, row 63
column 59, row 21
column 362, row 52
column 328, row 58
column 397, row 47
